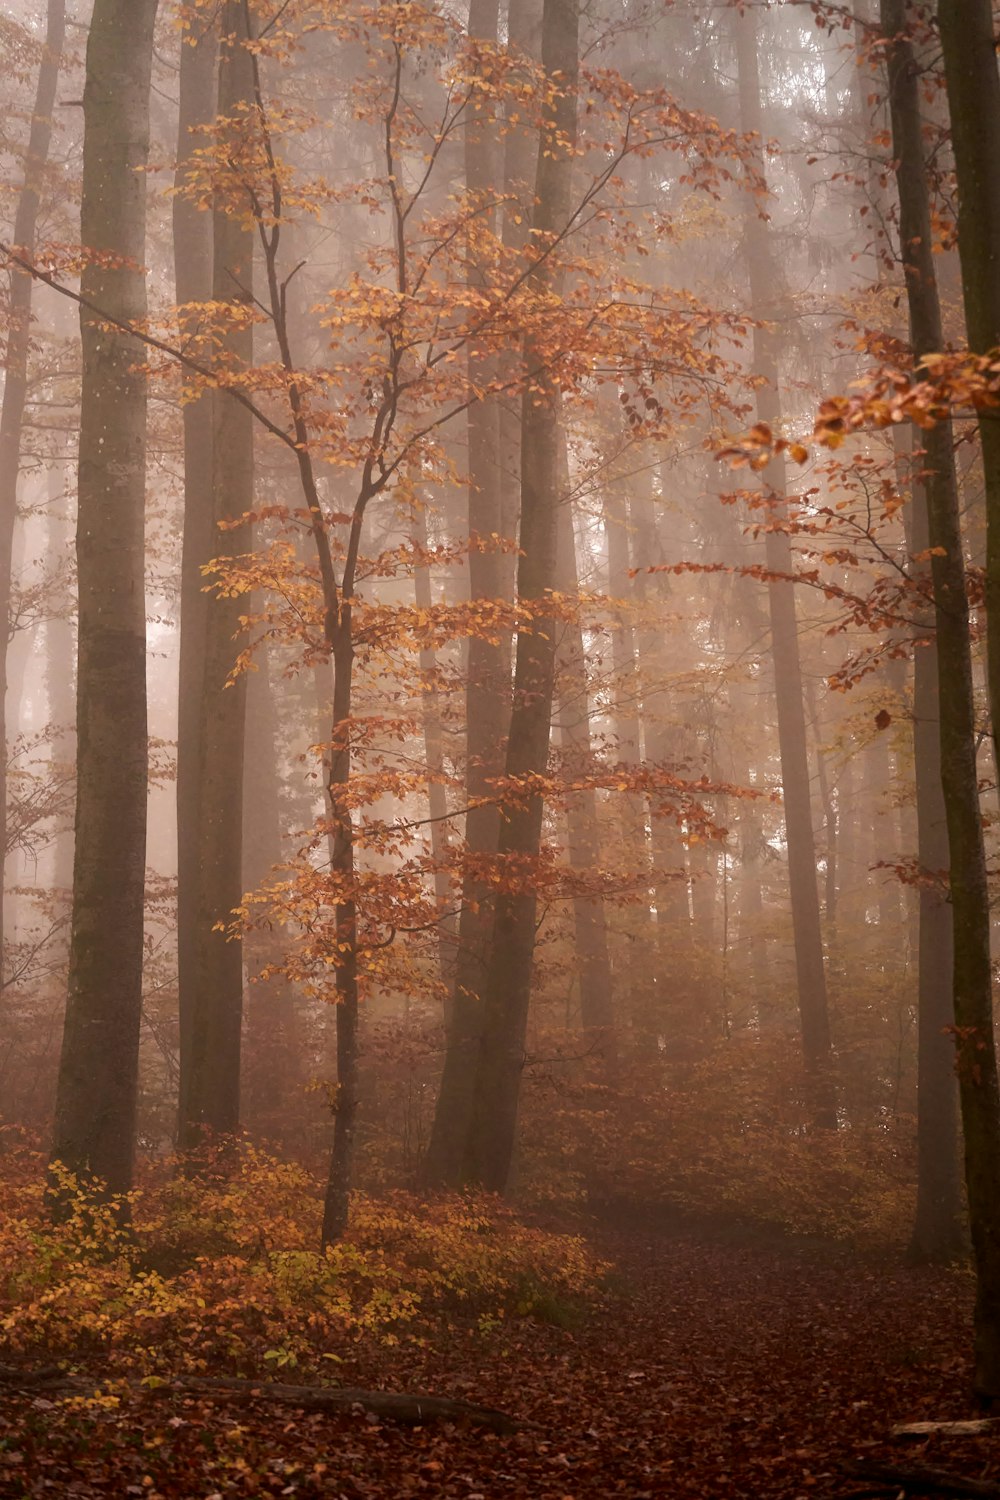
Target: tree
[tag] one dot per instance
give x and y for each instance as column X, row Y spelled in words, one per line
column 490, row 1144
column 192, row 252
column 488, row 674
column 973, row 997
column 98, row 1072
column 804, row 896
column 210, row 1051
column 15, row 390
column 937, row 1231
column 968, row 43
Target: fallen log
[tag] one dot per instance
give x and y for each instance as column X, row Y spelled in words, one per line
column 409, row 1407
column 967, row 1428
column 414, row 1408
column 921, row 1480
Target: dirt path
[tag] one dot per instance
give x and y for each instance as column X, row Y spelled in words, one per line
column 716, row 1371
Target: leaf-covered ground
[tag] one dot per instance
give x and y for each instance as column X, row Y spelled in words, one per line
column 712, row 1369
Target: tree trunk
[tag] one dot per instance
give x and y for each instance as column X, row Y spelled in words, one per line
column 437, row 797
column 520, row 153
column 487, row 694
column 593, row 960
column 968, row 42
column 211, row 1060
column 508, row 984
column 192, row 240
column 15, row 390
column 973, row 1010
column 275, row 1056
column 60, row 689
column 336, row 1207
column 98, row 1072
column 804, row 895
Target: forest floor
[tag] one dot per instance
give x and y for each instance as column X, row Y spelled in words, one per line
column 712, row 1369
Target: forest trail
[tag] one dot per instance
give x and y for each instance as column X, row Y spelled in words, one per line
column 712, row 1369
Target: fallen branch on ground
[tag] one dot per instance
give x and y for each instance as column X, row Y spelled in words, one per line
column 415, row 1408
column 968, row 1428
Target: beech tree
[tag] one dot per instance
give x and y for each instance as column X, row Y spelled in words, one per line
column 500, row 1059
column 968, row 43
column 803, row 892
column 938, row 747
column 192, row 256
column 15, row 388
column 213, row 1008
column 98, row 1071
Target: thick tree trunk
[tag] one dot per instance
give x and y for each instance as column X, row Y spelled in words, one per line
column 98, row 1073
column 487, row 694
column 192, row 240
column 508, row 985
column 804, row 895
column 15, row 390
column 973, row 1001
column 210, row 1063
column 968, row 41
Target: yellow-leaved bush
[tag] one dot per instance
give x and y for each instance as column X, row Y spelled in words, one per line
column 222, row 1272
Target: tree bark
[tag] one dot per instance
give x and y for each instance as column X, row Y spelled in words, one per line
column 210, row 1060
column 15, row 390
column 60, row 687
column 192, row 241
column 437, row 798
column 508, row 984
column 275, row 1055
column 487, row 694
column 98, row 1072
column 968, row 42
column 593, row 959
column 973, row 1010
column 804, row 895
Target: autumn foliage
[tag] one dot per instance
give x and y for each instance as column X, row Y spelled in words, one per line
column 222, row 1274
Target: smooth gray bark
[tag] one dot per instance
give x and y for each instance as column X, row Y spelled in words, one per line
column 98, row 1072
column 210, row 1060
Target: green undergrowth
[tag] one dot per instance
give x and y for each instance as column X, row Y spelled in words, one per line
column 222, row 1274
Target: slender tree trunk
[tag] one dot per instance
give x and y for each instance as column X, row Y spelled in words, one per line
column 336, row 1207
column 593, row 960
column 669, row 855
column 275, row 1056
column 98, row 1073
column 938, row 1234
column 437, row 798
column 623, row 660
column 811, row 976
column 192, row 240
column 520, row 152
column 59, row 664
column 15, row 390
column 968, row 41
column 972, row 999
column 508, row 986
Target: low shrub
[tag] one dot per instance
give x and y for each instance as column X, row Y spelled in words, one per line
column 223, row 1272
